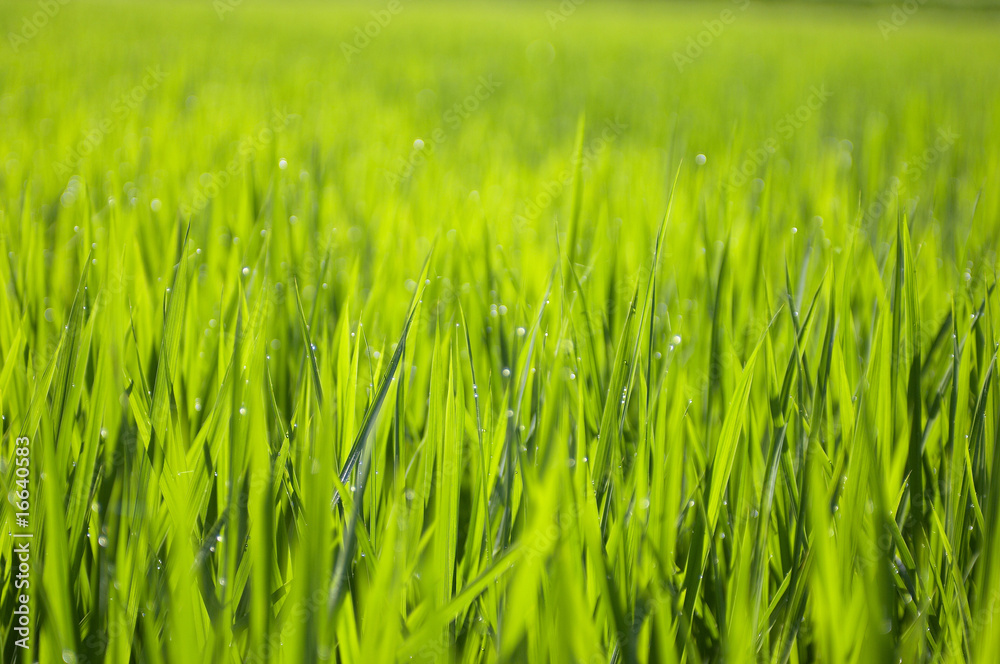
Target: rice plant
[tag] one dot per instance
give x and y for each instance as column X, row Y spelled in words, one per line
column 527, row 332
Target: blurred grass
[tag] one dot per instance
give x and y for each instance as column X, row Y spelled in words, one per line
column 299, row 390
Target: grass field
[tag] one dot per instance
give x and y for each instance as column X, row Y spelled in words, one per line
column 513, row 332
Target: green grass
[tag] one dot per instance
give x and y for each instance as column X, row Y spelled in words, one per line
column 629, row 363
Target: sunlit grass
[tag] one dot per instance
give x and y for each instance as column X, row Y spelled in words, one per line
column 500, row 339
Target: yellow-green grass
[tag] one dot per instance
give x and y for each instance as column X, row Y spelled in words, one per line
column 643, row 352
